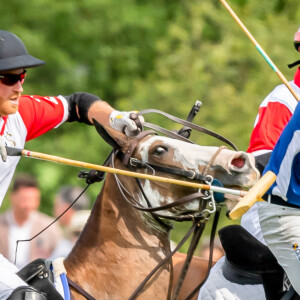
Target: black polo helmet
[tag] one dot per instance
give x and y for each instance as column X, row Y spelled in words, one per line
column 297, row 40
column 13, row 54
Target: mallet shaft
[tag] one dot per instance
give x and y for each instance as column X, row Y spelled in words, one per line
column 76, row 163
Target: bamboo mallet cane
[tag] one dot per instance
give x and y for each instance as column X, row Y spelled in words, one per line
column 259, row 189
column 260, row 50
column 76, row 163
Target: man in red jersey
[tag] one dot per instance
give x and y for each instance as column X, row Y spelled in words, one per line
column 273, row 115
column 23, row 118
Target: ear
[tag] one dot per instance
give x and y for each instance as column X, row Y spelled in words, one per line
column 114, row 138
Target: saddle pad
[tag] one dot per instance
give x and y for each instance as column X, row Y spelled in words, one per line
column 217, row 287
column 60, row 279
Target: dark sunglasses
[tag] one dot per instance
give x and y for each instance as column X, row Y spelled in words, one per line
column 11, row 79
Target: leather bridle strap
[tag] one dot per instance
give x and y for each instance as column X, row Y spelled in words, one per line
column 167, row 258
column 188, row 124
column 169, row 133
column 211, row 248
column 207, row 167
column 194, row 242
column 134, row 144
column 80, row 289
column 175, row 171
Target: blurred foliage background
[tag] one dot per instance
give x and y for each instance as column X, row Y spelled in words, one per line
column 138, row 54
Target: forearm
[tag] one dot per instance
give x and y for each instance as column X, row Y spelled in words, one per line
column 100, row 111
column 84, row 107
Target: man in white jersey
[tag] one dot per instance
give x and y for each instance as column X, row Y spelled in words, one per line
column 23, row 118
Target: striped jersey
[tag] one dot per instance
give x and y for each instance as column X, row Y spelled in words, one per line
column 273, row 115
column 36, row 115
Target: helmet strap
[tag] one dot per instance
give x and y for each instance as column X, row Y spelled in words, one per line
column 296, row 63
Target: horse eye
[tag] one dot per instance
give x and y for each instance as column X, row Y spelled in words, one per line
column 160, row 150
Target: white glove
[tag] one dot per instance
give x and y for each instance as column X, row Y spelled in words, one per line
column 123, row 121
column 3, row 152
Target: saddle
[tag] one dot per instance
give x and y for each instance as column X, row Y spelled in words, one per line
column 38, row 274
column 248, row 261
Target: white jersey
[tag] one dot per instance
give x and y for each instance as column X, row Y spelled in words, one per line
column 36, row 116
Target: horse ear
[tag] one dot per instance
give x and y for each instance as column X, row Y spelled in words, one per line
column 119, row 142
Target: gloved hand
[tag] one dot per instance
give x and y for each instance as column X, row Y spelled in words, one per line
column 3, row 152
column 125, row 121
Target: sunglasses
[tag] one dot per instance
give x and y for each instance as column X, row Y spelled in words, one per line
column 11, row 79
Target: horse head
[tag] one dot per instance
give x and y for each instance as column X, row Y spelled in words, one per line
column 164, row 156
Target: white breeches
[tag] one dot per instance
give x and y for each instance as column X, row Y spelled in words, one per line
column 217, row 287
column 281, row 230
column 8, row 279
column 250, row 221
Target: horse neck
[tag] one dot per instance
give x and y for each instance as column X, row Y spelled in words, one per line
column 120, row 248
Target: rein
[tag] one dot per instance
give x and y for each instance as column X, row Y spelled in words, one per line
column 185, row 123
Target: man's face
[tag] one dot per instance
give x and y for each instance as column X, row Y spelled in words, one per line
column 24, row 201
column 10, row 95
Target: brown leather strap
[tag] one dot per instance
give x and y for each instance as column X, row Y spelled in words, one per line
column 80, row 289
column 188, row 124
column 133, row 145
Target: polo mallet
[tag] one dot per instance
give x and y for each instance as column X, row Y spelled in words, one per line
column 46, row 157
column 260, row 50
column 260, row 188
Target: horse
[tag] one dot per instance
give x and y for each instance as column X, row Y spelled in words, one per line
column 120, row 244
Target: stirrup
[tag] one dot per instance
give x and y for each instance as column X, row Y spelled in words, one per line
column 26, row 293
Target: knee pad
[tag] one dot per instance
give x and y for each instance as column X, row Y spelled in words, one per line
column 26, row 293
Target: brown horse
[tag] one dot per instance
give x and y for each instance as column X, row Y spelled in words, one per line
column 120, row 244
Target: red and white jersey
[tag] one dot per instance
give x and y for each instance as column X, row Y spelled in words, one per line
column 273, row 115
column 36, row 116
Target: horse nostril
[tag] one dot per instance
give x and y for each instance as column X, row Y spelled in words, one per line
column 238, row 162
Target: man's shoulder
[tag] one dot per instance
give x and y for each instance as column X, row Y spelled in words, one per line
column 280, row 96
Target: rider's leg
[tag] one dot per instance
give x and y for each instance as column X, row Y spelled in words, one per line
column 9, row 281
column 250, row 221
column 281, row 230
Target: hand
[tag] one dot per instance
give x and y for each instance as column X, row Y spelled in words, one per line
column 3, row 152
column 126, row 122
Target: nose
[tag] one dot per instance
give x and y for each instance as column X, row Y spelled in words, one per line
column 238, row 162
column 243, row 161
column 18, row 87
